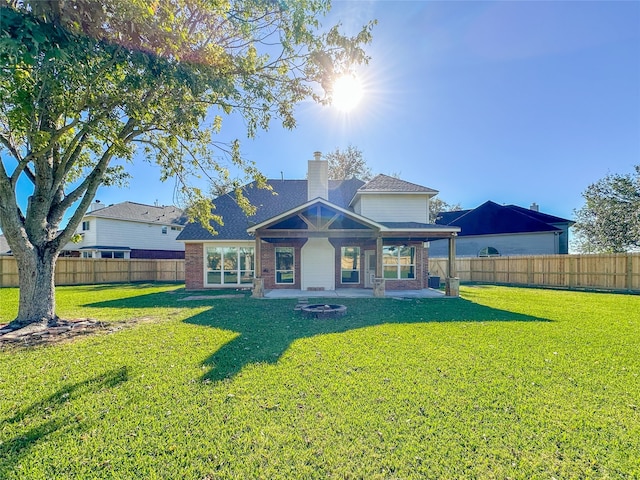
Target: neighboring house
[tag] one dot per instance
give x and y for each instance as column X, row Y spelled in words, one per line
column 130, row 230
column 503, row 230
column 318, row 234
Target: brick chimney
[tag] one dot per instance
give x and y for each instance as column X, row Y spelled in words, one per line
column 318, row 178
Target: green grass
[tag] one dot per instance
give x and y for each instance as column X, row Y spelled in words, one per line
column 501, row 383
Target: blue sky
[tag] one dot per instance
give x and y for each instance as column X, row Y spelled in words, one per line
column 514, row 102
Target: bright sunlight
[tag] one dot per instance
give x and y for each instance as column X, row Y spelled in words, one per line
column 347, row 93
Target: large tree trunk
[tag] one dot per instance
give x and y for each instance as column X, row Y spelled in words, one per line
column 36, row 268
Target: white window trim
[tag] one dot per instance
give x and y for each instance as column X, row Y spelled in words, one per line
column 359, row 266
column 293, row 269
column 205, row 266
column 398, row 265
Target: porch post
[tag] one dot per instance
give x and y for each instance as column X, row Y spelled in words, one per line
column 258, row 281
column 378, row 282
column 452, row 282
column 258, row 255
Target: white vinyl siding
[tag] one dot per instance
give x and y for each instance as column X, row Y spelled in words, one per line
column 318, row 264
column 135, row 235
column 394, row 207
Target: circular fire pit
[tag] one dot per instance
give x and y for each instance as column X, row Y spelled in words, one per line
column 324, row 311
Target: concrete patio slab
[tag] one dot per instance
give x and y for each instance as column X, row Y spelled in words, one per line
column 351, row 293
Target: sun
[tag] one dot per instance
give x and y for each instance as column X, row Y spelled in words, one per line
column 347, row 93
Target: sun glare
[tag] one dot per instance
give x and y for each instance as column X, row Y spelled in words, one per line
column 347, row 93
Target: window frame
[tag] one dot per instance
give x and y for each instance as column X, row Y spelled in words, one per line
column 398, row 265
column 278, row 271
column 239, row 273
column 343, row 270
column 86, row 225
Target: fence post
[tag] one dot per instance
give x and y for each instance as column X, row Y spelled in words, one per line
column 2, row 271
column 629, row 264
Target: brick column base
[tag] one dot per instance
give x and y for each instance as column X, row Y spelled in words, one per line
column 258, row 288
column 452, row 287
column 378, row 287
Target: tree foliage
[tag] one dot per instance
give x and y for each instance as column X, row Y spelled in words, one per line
column 348, row 163
column 609, row 221
column 437, row 206
column 87, row 85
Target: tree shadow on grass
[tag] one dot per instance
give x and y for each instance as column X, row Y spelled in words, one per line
column 266, row 328
column 13, row 449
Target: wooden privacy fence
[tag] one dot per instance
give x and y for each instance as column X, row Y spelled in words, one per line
column 83, row 271
column 610, row 272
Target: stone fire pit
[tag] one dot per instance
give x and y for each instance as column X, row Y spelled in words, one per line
column 324, row 311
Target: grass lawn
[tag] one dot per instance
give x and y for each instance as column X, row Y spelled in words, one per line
column 500, row 383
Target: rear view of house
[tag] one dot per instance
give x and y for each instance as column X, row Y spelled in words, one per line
column 318, row 234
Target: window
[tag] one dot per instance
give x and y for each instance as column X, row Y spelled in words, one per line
column 86, row 225
column 489, row 252
column 87, row 254
column 164, row 230
column 110, row 254
column 285, row 263
column 399, row 262
column 178, row 229
column 350, row 265
column 230, row 265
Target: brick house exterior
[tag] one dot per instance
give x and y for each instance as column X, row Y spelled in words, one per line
column 318, row 234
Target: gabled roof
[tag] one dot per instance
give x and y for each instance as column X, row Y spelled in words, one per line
column 491, row 218
column 286, row 195
column 348, row 213
column 386, row 184
column 139, row 212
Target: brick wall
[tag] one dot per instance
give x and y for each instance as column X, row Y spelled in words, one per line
column 194, row 266
column 421, row 273
column 268, row 263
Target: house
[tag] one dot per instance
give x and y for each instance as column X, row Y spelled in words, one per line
column 130, row 230
column 318, row 234
column 503, row 230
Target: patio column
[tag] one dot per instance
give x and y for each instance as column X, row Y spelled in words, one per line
column 378, row 282
column 452, row 282
column 258, row 281
column 452, row 256
column 258, row 254
column 379, row 257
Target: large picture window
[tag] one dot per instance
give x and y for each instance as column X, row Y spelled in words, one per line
column 350, row 265
column 230, row 265
column 285, row 265
column 399, row 262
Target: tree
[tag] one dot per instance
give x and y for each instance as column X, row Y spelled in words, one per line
column 609, row 221
column 83, row 84
column 437, row 206
column 346, row 164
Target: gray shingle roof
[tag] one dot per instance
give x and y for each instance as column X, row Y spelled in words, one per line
column 385, row 183
column 140, row 212
column 286, row 195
